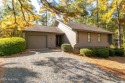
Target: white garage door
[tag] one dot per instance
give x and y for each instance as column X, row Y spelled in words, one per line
column 36, row 42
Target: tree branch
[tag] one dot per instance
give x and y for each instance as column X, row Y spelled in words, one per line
column 22, row 11
column 55, row 9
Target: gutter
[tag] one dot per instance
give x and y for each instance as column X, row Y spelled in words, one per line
column 93, row 31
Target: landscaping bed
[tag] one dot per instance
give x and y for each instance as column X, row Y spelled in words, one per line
column 17, row 54
column 111, row 59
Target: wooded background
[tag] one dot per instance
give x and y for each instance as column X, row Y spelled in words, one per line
column 15, row 15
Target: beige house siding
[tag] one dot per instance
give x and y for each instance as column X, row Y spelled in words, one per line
column 78, row 38
column 51, row 37
column 83, row 40
column 70, row 35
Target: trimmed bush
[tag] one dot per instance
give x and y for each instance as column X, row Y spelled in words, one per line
column 66, row 47
column 102, row 52
column 119, row 52
column 12, row 45
column 111, row 52
column 86, row 52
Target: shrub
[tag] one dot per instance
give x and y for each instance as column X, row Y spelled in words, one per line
column 12, row 45
column 66, row 47
column 111, row 52
column 119, row 52
column 102, row 52
column 86, row 52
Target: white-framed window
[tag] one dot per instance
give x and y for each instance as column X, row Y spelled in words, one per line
column 99, row 37
column 89, row 37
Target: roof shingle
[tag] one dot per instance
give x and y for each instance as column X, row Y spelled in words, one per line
column 40, row 28
column 83, row 27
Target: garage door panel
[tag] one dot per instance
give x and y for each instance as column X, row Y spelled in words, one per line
column 36, row 42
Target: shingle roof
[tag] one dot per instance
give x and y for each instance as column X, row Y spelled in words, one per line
column 83, row 27
column 40, row 28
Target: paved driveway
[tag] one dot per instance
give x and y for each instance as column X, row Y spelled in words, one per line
column 53, row 66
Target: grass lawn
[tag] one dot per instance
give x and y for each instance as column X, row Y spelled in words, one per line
column 113, row 64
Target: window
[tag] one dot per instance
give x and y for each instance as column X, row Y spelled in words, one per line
column 99, row 37
column 110, row 38
column 89, row 37
column 77, row 37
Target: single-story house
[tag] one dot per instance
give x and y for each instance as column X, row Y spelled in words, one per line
column 76, row 34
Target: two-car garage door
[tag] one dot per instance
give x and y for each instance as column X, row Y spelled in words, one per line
column 37, row 42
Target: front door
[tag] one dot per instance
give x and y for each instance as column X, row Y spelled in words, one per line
column 58, row 40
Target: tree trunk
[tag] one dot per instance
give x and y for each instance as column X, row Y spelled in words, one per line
column 123, row 35
column 97, row 14
column 46, row 18
column 119, row 34
column 106, row 26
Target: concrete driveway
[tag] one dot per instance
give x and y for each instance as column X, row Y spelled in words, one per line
column 53, row 66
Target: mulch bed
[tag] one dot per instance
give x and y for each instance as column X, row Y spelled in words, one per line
column 17, row 54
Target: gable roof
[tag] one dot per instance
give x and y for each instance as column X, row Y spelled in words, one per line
column 84, row 27
column 40, row 28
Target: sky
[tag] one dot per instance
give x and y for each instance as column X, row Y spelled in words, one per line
column 36, row 3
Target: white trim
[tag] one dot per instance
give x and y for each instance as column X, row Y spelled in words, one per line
column 64, row 24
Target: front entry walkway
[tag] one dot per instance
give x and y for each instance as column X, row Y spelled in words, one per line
column 53, row 67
